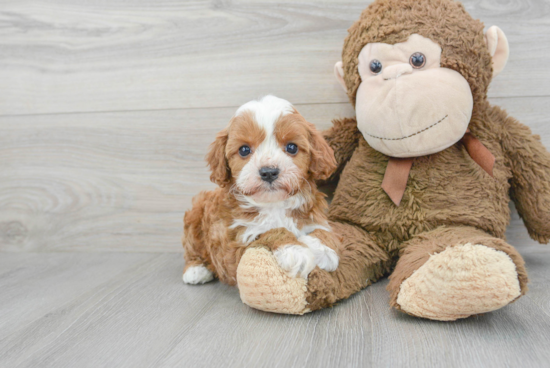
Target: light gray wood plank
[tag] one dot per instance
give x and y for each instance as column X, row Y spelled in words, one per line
column 132, row 310
column 108, row 181
column 38, row 284
column 43, row 341
column 127, row 55
column 122, row 181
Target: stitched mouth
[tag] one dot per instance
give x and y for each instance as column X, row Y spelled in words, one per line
column 410, row 135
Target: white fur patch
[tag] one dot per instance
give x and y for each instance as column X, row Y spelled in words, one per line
column 325, row 258
column 273, row 216
column 275, row 200
column 267, row 111
column 197, row 275
column 296, row 260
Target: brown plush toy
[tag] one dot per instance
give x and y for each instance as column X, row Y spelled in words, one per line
column 426, row 172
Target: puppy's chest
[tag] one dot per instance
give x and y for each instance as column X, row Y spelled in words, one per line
column 269, row 219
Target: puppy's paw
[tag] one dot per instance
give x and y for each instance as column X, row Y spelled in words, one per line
column 325, row 258
column 197, row 275
column 296, row 260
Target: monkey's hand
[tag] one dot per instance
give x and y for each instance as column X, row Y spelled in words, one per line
column 530, row 185
column 343, row 138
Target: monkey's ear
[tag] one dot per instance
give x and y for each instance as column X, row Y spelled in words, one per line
column 221, row 174
column 498, row 48
column 339, row 73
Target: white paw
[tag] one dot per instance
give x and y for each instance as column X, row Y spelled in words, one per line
column 296, row 260
column 197, row 275
column 325, row 258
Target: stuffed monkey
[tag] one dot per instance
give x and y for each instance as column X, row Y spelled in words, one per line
column 426, row 171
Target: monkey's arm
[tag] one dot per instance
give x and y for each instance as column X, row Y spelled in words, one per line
column 343, row 138
column 530, row 184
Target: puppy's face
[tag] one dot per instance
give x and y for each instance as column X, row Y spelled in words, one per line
column 269, row 152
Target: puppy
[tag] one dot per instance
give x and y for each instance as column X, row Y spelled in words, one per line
column 265, row 162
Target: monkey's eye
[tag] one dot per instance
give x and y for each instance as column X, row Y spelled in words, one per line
column 291, row 148
column 375, row 66
column 417, row 60
column 244, row 151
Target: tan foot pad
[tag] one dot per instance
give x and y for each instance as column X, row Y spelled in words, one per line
column 265, row 286
column 459, row 282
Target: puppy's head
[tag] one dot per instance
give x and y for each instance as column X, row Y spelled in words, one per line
column 269, row 152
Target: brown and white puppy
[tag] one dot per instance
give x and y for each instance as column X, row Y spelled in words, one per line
column 265, row 162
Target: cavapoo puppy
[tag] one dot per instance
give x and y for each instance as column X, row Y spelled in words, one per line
column 265, row 162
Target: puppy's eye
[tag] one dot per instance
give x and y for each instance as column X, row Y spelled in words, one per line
column 244, row 151
column 417, row 60
column 375, row 66
column 291, row 148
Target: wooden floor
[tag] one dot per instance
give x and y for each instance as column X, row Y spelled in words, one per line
column 106, row 112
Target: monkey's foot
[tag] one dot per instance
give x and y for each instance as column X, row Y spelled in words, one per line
column 461, row 281
column 264, row 285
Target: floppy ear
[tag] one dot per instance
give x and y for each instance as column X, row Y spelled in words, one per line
column 221, row 174
column 323, row 163
column 497, row 43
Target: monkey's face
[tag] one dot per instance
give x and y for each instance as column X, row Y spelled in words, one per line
column 407, row 105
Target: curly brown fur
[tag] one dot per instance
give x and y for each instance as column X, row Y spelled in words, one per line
column 208, row 239
column 216, row 228
column 452, row 209
column 393, row 21
column 343, row 137
column 529, row 163
column 275, row 239
column 417, row 251
column 447, row 193
column 362, row 262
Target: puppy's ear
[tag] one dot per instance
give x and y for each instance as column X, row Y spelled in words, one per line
column 221, row 174
column 323, row 163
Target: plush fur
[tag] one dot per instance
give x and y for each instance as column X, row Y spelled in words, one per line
column 244, row 209
column 264, row 285
column 449, row 201
column 393, row 21
column 487, row 281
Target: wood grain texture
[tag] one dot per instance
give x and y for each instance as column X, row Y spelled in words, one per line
column 108, row 181
column 107, row 108
column 132, row 310
column 122, row 181
column 126, row 55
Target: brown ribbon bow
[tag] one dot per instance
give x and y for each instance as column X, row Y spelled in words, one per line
column 398, row 169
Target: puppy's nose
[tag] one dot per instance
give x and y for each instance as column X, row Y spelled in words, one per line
column 269, row 174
